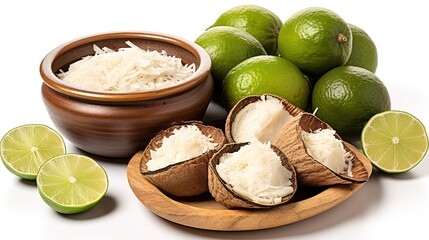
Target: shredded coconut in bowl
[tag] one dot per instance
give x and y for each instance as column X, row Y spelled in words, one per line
column 126, row 70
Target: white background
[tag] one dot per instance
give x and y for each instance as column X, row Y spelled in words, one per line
column 386, row 207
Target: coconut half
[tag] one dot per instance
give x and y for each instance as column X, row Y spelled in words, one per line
column 187, row 177
column 258, row 117
column 310, row 170
column 251, row 170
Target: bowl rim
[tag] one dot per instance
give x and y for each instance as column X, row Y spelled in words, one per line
column 54, row 83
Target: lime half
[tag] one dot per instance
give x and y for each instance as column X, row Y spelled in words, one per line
column 72, row 183
column 25, row 148
column 394, row 141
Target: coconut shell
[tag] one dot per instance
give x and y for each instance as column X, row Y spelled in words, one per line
column 223, row 192
column 310, row 172
column 187, row 178
column 292, row 109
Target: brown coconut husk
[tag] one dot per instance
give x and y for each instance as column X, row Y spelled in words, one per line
column 310, row 172
column 292, row 109
column 184, row 179
column 223, row 192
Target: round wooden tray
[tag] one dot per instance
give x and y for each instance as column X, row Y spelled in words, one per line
column 204, row 212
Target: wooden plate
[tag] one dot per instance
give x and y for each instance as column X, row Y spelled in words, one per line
column 204, row 212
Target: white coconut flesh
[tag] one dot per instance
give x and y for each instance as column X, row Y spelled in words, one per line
column 260, row 120
column 126, row 70
column 255, row 172
column 185, row 143
column 323, row 146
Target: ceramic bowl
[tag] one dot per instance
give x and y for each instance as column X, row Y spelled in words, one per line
column 120, row 124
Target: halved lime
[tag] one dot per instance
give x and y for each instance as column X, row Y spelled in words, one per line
column 394, row 141
column 25, row 148
column 72, row 183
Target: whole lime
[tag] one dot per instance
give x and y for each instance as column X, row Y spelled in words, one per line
column 227, row 47
column 346, row 97
column 316, row 40
column 266, row 74
column 364, row 51
column 260, row 22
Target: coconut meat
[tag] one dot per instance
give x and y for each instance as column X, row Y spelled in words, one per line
column 323, row 146
column 126, row 70
column 262, row 120
column 256, row 173
column 185, row 143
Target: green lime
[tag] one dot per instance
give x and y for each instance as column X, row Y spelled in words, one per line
column 394, row 141
column 262, row 23
column 364, row 51
column 266, row 74
column 316, row 40
column 25, row 148
column 72, row 183
column 347, row 97
column 227, row 47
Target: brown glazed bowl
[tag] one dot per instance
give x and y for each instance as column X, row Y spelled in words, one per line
column 120, row 124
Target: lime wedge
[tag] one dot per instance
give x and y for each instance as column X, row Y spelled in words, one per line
column 394, row 141
column 72, row 183
column 25, row 148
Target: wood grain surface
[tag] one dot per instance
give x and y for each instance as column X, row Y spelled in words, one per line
column 204, row 212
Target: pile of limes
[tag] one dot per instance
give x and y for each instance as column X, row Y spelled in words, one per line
column 318, row 62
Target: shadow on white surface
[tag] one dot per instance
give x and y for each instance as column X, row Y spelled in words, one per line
column 122, row 161
column 356, row 207
column 28, row 183
column 107, row 205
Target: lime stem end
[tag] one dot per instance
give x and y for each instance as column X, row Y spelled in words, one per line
column 341, row 38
